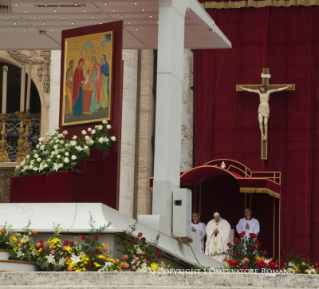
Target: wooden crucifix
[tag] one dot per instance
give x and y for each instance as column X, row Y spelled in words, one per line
column 264, row 90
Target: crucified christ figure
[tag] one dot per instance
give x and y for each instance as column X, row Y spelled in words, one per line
column 264, row 110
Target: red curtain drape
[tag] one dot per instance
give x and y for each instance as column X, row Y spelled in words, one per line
column 285, row 40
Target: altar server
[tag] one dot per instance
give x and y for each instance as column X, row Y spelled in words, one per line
column 200, row 229
column 248, row 224
column 217, row 231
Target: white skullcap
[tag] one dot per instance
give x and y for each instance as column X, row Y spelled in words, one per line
column 216, row 214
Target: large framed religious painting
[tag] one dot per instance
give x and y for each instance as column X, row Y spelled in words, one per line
column 88, row 78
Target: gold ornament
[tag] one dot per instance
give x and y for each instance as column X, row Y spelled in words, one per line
column 3, row 152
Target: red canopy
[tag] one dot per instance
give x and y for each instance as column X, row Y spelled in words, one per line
column 248, row 181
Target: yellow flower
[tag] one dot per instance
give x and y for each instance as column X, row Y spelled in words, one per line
column 228, row 266
column 13, row 239
column 97, row 264
column 297, row 269
column 257, row 258
column 31, row 248
column 15, row 249
column 68, row 249
column 154, row 266
column 39, row 252
column 101, row 257
column 303, row 263
column 55, row 241
column 111, row 260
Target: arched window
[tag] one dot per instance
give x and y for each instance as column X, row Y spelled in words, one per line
column 13, row 105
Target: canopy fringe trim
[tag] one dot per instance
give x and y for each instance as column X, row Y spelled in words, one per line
column 260, row 191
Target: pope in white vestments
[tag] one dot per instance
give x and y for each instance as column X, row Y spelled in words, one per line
column 200, row 229
column 217, row 231
column 248, row 224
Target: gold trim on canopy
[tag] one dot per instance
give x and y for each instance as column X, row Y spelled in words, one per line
column 258, row 4
column 260, row 191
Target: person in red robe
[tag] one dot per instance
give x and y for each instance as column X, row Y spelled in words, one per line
column 78, row 82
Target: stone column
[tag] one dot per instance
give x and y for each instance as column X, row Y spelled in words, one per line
column 126, row 199
column 144, row 154
column 55, row 75
column 187, row 113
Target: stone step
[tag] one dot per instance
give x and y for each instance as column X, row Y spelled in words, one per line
column 4, row 254
column 132, row 287
column 64, row 280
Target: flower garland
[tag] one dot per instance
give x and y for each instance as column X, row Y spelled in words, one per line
column 138, row 255
column 300, row 265
column 61, row 154
column 245, row 254
column 85, row 253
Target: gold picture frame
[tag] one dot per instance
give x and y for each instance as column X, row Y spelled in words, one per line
column 88, row 78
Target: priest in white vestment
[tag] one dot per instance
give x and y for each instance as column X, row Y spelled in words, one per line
column 217, row 231
column 248, row 224
column 200, row 229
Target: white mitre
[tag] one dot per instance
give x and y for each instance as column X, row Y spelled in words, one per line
column 216, row 214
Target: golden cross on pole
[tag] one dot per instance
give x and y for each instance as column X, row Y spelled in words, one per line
column 264, row 90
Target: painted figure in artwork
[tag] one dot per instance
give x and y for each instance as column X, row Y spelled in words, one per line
column 96, row 75
column 78, row 82
column 105, row 82
column 87, row 83
column 69, row 90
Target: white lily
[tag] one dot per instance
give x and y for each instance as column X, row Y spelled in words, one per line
column 56, row 167
column 19, row 253
column 78, row 148
column 62, row 261
column 50, row 259
column 75, row 259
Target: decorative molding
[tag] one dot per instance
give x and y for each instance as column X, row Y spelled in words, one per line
column 43, row 70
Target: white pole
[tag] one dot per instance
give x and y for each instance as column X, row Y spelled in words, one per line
column 22, row 92
column 4, row 88
column 29, row 85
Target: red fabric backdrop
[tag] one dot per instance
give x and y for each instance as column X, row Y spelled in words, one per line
column 112, row 188
column 285, row 40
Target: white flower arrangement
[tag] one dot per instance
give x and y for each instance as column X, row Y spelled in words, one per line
column 59, row 154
